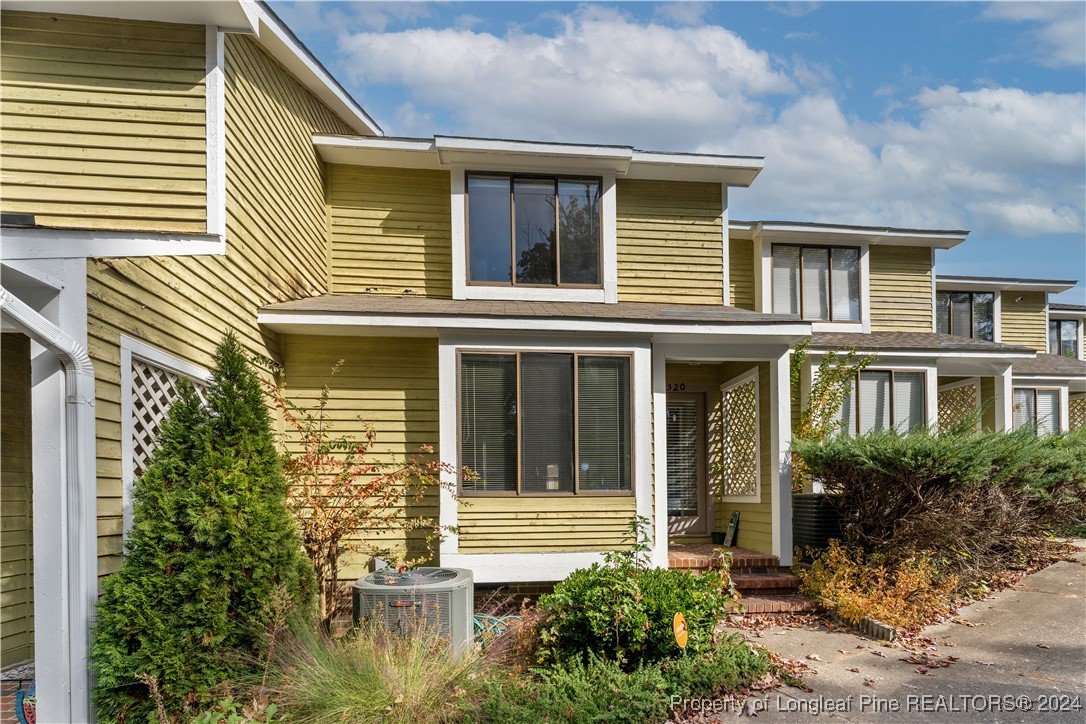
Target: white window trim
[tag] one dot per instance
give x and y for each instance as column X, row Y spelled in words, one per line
column 135, row 349
column 215, row 108
column 763, row 283
column 608, row 253
column 536, row 566
column 748, row 376
column 975, row 381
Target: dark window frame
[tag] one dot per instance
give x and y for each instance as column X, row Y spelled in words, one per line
column 892, row 371
column 972, row 313
column 512, row 177
column 1059, row 337
column 519, row 492
column 829, row 288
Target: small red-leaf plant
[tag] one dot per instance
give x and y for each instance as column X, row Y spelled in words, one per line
column 346, row 501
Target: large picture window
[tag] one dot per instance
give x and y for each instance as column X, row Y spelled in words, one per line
column 882, row 400
column 817, row 282
column 1063, row 337
column 545, row 423
column 965, row 314
column 533, row 230
column 1038, row 407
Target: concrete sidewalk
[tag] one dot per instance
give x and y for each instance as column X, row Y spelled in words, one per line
column 1019, row 656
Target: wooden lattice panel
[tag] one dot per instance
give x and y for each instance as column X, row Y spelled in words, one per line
column 956, row 404
column 739, row 439
column 154, row 389
column 1076, row 412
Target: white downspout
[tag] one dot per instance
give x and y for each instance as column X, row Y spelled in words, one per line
column 81, row 493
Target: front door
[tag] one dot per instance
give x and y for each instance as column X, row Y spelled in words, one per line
column 686, row 488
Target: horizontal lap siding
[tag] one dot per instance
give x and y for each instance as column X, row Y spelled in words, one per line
column 741, row 273
column 1024, row 322
column 389, row 384
column 669, row 242
column 512, row 524
column 390, row 231
column 276, row 250
column 104, row 122
column 901, row 297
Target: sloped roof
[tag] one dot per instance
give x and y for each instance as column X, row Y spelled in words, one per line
column 1051, row 365
column 911, row 342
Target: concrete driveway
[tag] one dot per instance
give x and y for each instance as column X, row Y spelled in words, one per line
column 1019, row 656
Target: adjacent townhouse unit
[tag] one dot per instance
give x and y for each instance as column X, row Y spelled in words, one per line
column 584, row 326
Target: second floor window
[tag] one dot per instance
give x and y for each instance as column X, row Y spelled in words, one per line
column 817, row 282
column 533, row 230
column 965, row 314
column 1063, row 337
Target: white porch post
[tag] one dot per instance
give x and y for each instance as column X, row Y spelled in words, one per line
column 780, row 425
column 659, row 473
column 447, row 448
column 1003, row 400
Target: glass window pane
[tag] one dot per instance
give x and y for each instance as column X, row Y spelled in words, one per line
column 1053, row 337
column 1069, row 338
column 683, row 464
column 1024, row 412
column 874, row 401
column 603, row 422
column 816, row 284
column 908, row 401
column 846, row 284
column 961, row 320
column 579, row 231
column 983, row 320
column 786, row 279
column 1048, row 411
column 534, row 226
column 488, row 420
column 942, row 312
column 847, row 414
column 546, row 422
column 489, row 239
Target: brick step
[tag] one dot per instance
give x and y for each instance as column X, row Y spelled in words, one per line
column 777, row 603
column 761, row 581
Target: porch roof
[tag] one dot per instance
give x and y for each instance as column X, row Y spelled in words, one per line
column 922, row 342
column 1051, row 365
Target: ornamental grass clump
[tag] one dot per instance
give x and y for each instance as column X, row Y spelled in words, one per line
column 212, row 542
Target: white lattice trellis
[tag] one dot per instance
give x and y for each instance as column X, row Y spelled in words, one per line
column 1076, row 412
column 154, row 389
column 956, row 403
column 739, row 438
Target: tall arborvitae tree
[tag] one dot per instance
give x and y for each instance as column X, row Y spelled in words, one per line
column 212, row 545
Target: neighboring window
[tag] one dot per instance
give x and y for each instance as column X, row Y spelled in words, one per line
column 526, row 417
column 1037, row 407
column 882, row 400
column 534, row 231
column 965, row 314
column 1063, row 337
column 821, row 283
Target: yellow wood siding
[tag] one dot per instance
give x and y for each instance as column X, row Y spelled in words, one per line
column 987, row 401
column 1023, row 322
column 277, row 249
column 390, row 231
column 514, row 524
column 670, row 242
column 901, row 297
column 103, row 122
column 390, row 384
column 741, row 273
column 16, row 490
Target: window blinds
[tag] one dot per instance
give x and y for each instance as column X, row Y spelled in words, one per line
column 846, row 283
column 1024, row 408
column 786, row 279
column 488, row 420
column 1048, row 411
column 546, row 422
column 874, row 401
column 816, row 283
column 908, row 401
column 603, row 435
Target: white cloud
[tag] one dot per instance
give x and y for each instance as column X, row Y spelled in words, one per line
column 794, row 9
column 682, row 12
column 304, row 15
column 1057, row 37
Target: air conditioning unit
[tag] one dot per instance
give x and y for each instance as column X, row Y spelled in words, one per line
column 439, row 600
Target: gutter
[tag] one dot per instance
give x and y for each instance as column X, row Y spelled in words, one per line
column 80, row 494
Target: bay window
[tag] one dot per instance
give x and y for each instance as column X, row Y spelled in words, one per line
column 533, row 230
column 817, row 282
column 1037, row 407
column 542, row 423
column 882, row 400
column 1063, row 337
column 965, row 314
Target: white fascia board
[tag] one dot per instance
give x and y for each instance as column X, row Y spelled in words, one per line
column 794, row 233
column 446, row 144
column 338, row 323
column 521, row 567
column 1064, row 314
column 224, row 13
column 727, row 170
column 40, row 243
column 933, row 354
column 965, row 284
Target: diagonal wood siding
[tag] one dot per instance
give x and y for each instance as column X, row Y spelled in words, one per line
column 103, row 122
column 901, row 297
column 277, row 249
column 1023, row 322
column 670, row 239
column 390, row 231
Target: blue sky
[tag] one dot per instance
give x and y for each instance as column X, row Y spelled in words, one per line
column 931, row 115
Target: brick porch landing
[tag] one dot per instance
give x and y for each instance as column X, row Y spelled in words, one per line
column 765, row 585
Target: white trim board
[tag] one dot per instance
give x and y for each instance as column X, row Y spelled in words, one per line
column 215, row 133
column 43, row 243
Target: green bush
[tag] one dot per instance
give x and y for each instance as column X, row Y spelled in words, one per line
column 211, row 546
column 729, row 665
column 623, row 610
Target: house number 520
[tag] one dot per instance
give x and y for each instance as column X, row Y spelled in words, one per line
column 676, row 386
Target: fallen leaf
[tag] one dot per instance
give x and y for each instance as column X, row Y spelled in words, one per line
column 963, row 622
column 984, row 663
column 1043, row 646
column 868, row 681
column 923, row 672
column 878, row 653
column 854, row 670
column 814, row 657
column 840, row 651
column 861, row 646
